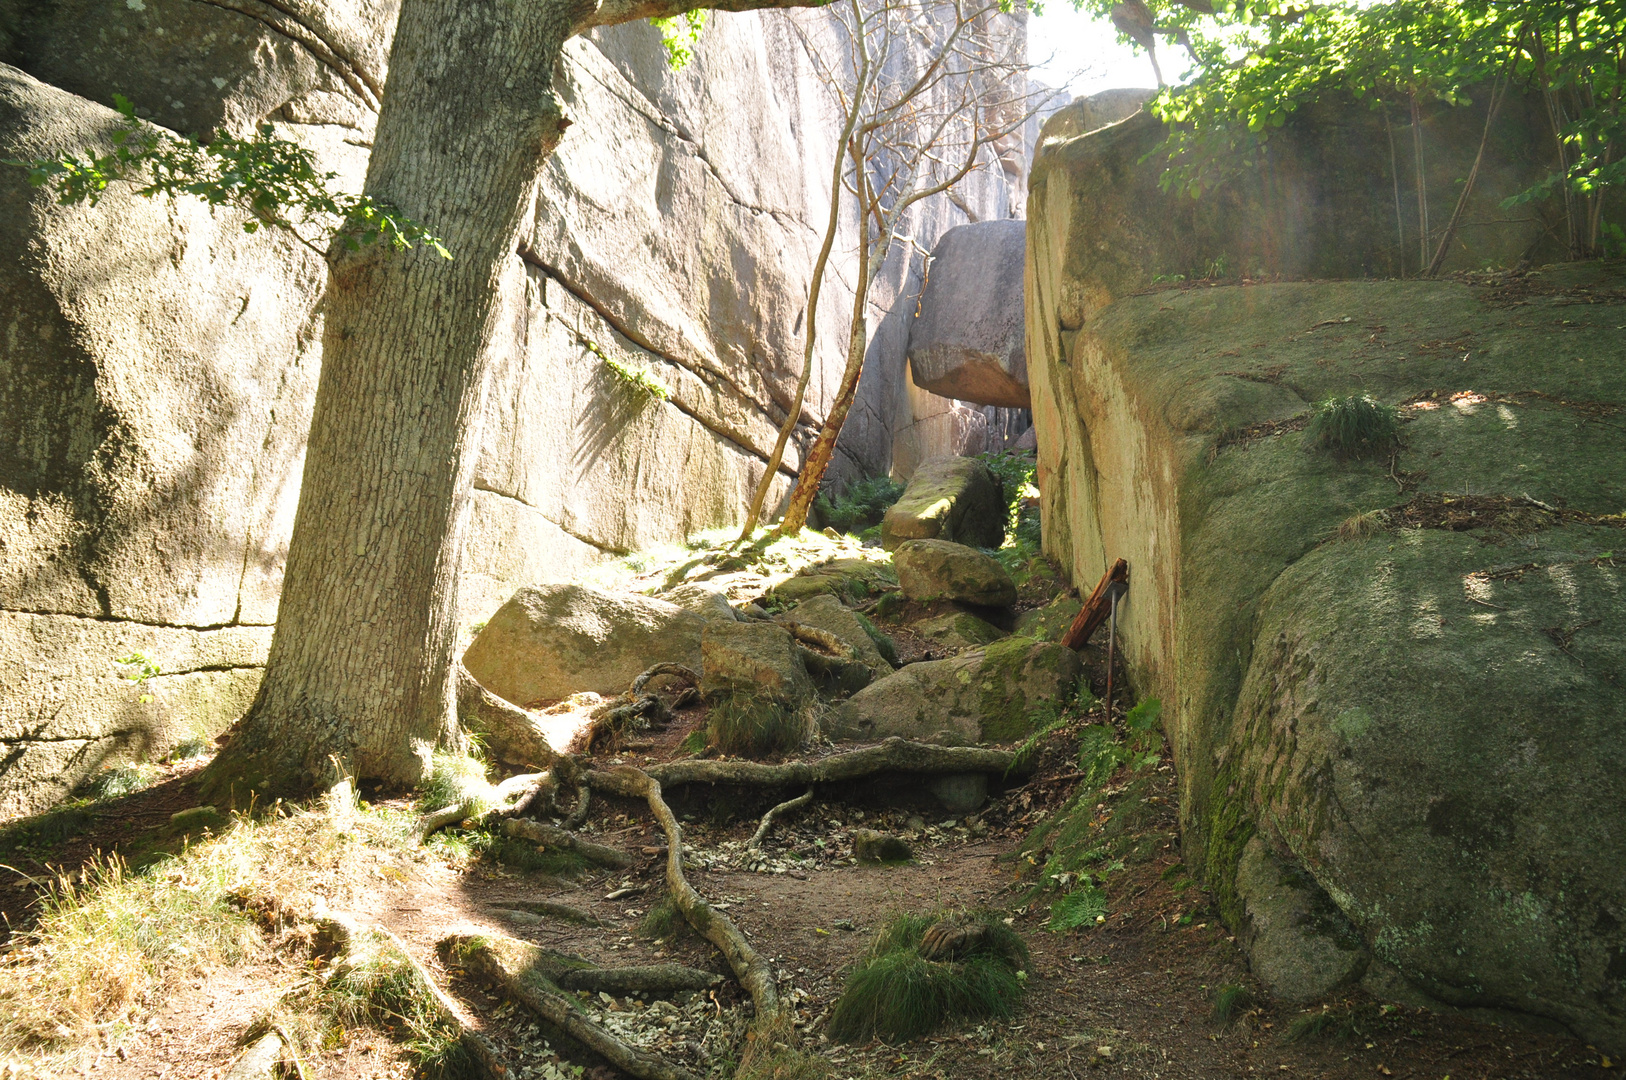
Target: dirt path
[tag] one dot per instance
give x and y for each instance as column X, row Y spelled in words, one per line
column 1132, row 996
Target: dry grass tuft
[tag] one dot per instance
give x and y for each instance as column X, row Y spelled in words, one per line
column 111, row 939
column 1362, row 525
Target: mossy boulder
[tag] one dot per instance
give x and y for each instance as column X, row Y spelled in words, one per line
column 753, row 659
column 551, row 641
column 957, row 631
column 846, row 579
column 995, row 694
column 1050, row 622
column 931, row 570
column 830, row 615
column 950, row 498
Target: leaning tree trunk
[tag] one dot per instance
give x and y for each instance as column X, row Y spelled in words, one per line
column 359, row 675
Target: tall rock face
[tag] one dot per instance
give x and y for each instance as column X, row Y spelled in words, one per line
column 158, row 364
column 1393, row 680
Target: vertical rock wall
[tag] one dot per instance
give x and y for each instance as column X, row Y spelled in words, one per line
column 158, row 364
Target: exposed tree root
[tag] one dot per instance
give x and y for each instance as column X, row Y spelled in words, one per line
column 555, row 910
column 512, row 735
column 563, row 840
column 584, row 799
column 772, row 1028
column 893, row 755
column 650, row 978
column 511, row 794
column 678, row 671
column 479, row 1048
column 516, row 968
column 822, row 640
column 768, row 818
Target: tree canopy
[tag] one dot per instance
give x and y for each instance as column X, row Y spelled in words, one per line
column 1254, row 63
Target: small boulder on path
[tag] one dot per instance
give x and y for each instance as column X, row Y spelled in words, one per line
column 982, row 695
column 950, row 498
column 551, row 641
column 932, row 570
column 753, row 659
column 702, row 599
column 878, row 847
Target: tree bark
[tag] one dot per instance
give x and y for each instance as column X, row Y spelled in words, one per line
column 360, row 669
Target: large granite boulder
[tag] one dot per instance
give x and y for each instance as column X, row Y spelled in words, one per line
column 951, row 498
column 994, row 694
column 1400, row 672
column 551, row 641
column 931, row 570
column 966, row 341
column 957, row 631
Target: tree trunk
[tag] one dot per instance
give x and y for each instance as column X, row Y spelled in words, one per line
column 360, row 674
column 824, row 447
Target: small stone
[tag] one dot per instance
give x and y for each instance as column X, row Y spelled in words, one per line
column 879, row 847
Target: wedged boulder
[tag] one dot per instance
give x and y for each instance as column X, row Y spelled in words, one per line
column 931, row 570
column 966, row 340
column 830, row 615
column 550, row 641
column 950, row 498
column 984, row 695
column 702, row 599
column 758, row 660
column 1298, row 943
column 957, row 630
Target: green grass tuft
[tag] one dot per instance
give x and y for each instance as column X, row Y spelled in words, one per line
column 1354, row 426
column 663, row 920
column 744, row 724
column 694, row 742
column 1231, row 1001
column 883, row 643
column 896, row 994
column 455, row 777
column 1330, row 1023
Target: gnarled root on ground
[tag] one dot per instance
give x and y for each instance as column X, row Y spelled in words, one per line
column 768, row 818
column 771, row 1030
column 511, row 794
column 552, row 836
column 892, row 755
column 518, row 970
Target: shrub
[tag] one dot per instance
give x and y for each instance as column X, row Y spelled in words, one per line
column 861, row 506
column 1354, row 426
column 896, row 994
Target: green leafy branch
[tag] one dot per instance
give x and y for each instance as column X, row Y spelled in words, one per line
column 144, row 668
column 680, row 34
column 275, row 180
